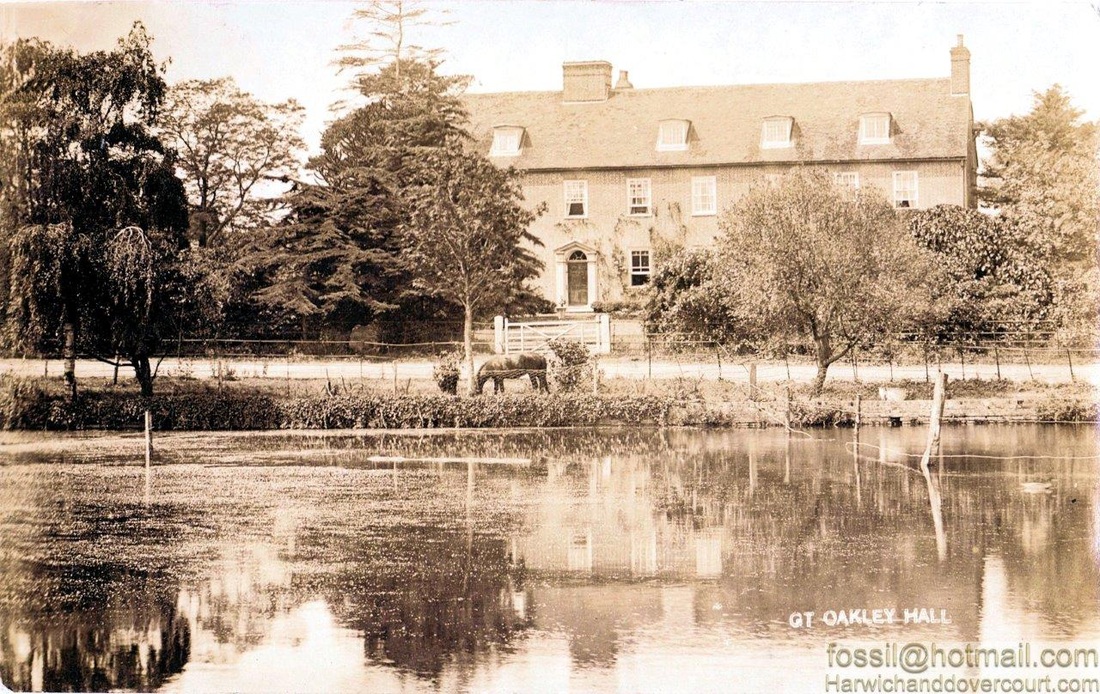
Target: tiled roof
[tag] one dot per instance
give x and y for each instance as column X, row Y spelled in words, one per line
column 928, row 123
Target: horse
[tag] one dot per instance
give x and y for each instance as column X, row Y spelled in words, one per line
column 505, row 366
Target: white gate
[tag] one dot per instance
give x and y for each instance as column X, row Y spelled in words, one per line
column 532, row 336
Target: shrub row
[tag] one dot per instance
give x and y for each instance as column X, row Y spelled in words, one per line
column 24, row 405
column 245, row 410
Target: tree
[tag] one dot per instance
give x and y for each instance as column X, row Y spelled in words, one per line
column 231, row 148
column 809, row 257
column 1043, row 176
column 337, row 256
column 687, row 294
column 91, row 166
column 465, row 235
column 388, row 43
column 992, row 275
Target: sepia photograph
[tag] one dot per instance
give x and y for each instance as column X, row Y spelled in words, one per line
column 639, row 346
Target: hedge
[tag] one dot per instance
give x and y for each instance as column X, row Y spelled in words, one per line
column 25, row 405
column 251, row 410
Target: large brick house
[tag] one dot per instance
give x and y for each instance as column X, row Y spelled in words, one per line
column 623, row 170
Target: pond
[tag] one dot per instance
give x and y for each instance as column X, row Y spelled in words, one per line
column 582, row 560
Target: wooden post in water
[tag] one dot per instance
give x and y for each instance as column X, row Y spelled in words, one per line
column 859, row 412
column 934, row 499
column 938, row 397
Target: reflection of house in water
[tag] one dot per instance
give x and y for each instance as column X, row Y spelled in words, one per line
column 612, row 525
column 231, row 610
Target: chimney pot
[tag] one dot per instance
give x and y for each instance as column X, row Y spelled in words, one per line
column 624, row 81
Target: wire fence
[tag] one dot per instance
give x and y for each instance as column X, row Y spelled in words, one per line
column 1021, row 356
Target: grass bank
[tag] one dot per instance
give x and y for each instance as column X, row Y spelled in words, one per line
column 186, row 404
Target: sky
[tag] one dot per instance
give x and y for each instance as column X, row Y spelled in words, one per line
column 285, row 49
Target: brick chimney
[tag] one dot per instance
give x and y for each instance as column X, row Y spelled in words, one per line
column 586, row 81
column 960, row 68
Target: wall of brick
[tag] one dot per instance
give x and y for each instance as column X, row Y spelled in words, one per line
column 613, row 233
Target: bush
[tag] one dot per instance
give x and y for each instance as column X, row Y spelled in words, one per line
column 819, row 414
column 571, row 365
column 23, row 403
column 440, row 411
column 447, row 370
column 1063, row 409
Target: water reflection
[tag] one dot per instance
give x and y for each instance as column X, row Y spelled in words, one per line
column 118, row 635
column 614, row 560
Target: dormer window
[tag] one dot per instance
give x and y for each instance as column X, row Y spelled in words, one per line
column 673, row 135
column 776, row 133
column 507, row 141
column 874, row 129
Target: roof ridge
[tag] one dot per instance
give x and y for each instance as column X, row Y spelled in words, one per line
column 534, row 92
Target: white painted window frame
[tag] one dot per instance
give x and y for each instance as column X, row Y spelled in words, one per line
column 573, row 185
column 504, row 134
column 847, row 178
column 914, row 190
column 867, row 138
column 647, row 273
column 665, row 141
column 711, row 190
column 774, row 126
column 647, row 187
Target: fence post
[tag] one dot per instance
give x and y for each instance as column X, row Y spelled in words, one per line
column 148, row 438
column 752, row 381
column 788, row 407
column 962, row 360
column 595, row 375
column 927, row 378
column 649, row 353
column 604, row 340
column 500, row 333
column 1069, row 357
column 718, row 354
column 997, row 358
column 1027, row 360
column 859, row 411
column 394, row 363
column 855, row 366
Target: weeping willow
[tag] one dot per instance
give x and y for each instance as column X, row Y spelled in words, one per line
column 131, row 268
